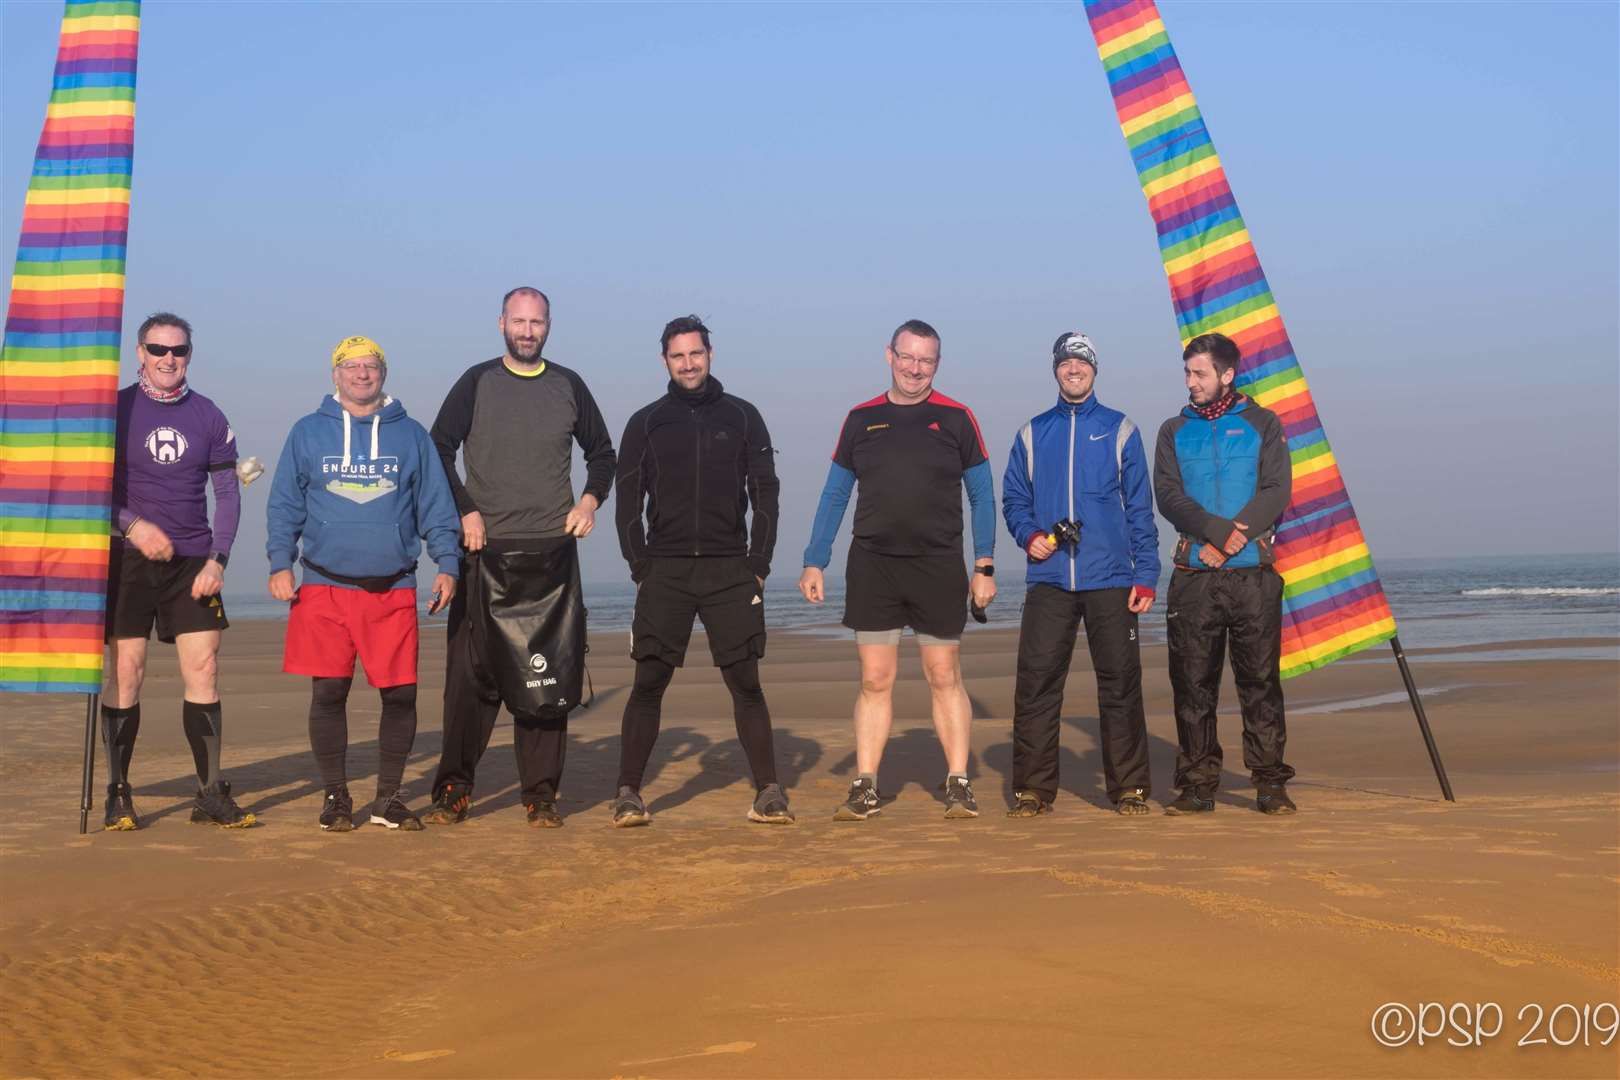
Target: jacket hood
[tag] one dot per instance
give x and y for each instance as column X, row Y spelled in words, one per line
column 391, row 411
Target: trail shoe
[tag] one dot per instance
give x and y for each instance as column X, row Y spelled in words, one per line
column 543, row 814
column 1131, row 803
column 628, row 810
column 337, row 812
column 214, row 806
column 120, row 816
column 771, row 806
column 392, row 813
column 1028, row 804
column 1190, row 802
column 1272, row 799
column 861, row 804
column 959, row 801
column 450, row 805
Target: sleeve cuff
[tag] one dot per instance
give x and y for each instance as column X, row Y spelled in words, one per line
column 450, row 565
column 761, row 567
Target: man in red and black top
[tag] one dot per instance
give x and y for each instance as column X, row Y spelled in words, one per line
column 911, row 450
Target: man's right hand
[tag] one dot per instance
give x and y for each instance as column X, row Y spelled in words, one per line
column 282, row 586
column 813, row 585
column 1041, row 548
column 1211, row 556
column 472, row 531
column 151, row 541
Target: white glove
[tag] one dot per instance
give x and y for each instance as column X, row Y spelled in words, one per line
column 248, row 470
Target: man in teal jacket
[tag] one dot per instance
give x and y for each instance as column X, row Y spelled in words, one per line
column 358, row 488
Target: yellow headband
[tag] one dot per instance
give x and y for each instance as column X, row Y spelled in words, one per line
column 352, row 348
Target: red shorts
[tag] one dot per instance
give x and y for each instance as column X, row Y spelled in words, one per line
column 329, row 624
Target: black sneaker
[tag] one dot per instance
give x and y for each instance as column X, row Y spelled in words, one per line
column 337, row 812
column 1133, row 802
column 771, row 806
column 450, row 805
column 120, row 816
column 392, row 813
column 1190, row 802
column 214, row 806
column 959, row 801
column 628, row 810
column 1272, row 799
column 861, row 804
column 543, row 814
column 1028, row 804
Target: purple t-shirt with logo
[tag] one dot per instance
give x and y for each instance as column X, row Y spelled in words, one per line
column 166, row 454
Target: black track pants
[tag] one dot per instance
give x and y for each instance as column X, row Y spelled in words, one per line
column 1206, row 610
column 642, row 713
column 1052, row 617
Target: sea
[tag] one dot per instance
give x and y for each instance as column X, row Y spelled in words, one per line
column 1438, row 604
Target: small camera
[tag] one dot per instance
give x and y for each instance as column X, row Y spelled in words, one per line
column 1065, row 533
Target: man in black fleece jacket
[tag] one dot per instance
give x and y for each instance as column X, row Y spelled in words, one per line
column 696, row 461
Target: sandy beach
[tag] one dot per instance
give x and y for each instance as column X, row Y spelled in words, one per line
column 907, row 946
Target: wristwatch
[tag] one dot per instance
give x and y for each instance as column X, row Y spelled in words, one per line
column 988, row 569
column 219, row 557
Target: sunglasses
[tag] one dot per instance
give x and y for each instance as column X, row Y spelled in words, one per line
column 180, row 351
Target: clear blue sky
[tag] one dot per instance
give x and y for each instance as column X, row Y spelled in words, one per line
column 1432, row 189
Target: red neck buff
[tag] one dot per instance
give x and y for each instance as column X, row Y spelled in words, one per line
column 1218, row 408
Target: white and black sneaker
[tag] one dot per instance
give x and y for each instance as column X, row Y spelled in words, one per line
column 959, row 800
column 861, row 804
column 628, row 809
column 392, row 813
column 771, row 806
column 337, row 812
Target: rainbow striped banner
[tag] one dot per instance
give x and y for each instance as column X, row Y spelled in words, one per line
column 1333, row 604
column 59, row 367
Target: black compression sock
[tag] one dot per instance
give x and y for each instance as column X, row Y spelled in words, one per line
column 329, row 729
column 395, row 734
column 204, row 726
column 118, row 730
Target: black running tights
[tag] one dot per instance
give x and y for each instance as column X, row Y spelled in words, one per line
column 643, row 709
column 329, row 732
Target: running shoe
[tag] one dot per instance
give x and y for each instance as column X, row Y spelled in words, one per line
column 1028, row 804
column 1190, row 802
column 861, row 804
column 392, row 813
column 543, row 815
column 959, row 801
column 214, row 806
column 771, row 806
column 120, row 816
column 628, row 809
column 1272, row 799
column 337, row 812
column 450, row 805
column 1131, row 803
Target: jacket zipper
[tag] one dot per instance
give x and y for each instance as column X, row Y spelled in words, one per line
column 697, row 488
column 1215, row 452
column 1073, row 555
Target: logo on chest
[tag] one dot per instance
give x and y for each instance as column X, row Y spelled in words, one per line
column 166, row 445
column 362, row 480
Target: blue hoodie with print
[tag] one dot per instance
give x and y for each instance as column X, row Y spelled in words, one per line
column 361, row 494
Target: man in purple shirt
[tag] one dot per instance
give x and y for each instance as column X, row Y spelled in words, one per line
column 172, row 445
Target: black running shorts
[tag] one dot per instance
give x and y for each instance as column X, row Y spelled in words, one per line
column 925, row 592
column 722, row 591
column 141, row 592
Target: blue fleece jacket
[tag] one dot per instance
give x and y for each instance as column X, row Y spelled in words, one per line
column 1083, row 462
column 361, row 494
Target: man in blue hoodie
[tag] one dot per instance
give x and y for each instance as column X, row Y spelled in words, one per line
column 1077, row 497
column 359, row 487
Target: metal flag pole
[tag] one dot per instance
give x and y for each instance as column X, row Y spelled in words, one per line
column 1422, row 719
column 92, row 708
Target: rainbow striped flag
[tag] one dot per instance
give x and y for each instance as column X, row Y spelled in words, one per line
column 59, row 367
column 1333, row 604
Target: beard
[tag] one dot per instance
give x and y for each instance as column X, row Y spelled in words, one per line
column 523, row 356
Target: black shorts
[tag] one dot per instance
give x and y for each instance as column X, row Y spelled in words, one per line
column 928, row 593
column 722, row 591
column 141, row 592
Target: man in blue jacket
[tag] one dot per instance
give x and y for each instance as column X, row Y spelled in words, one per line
column 359, row 487
column 1223, row 476
column 1080, row 462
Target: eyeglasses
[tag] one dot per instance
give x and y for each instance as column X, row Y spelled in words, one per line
column 927, row 363
column 360, row 365
column 180, row 351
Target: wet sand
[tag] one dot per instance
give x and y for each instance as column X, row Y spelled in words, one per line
column 908, row 946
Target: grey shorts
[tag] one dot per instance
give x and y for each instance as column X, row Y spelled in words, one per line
column 892, row 637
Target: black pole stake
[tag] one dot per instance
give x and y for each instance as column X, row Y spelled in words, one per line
column 92, row 710
column 1422, row 719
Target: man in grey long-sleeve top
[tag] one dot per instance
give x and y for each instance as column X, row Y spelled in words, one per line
column 1222, row 475
column 514, row 420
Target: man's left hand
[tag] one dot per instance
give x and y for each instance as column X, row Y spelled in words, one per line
column 1212, row 556
column 209, row 580
column 582, row 518
column 983, row 589
column 1235, row 542
column 1140, row 600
